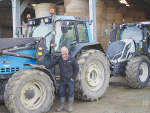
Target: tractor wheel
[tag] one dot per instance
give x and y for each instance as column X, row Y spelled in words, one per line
column 93, row 77
column 137, row 71
column 29, row 91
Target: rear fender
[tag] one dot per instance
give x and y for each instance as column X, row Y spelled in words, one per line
column 138, row 53
column 46, row 71
column 77, row 47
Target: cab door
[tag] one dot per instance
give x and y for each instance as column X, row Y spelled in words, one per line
column 148, row 39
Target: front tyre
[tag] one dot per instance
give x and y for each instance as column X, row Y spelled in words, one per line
column 93, row 78
column 137, row 71
column 29, row 91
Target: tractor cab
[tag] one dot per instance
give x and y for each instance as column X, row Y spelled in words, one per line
column 59, row 31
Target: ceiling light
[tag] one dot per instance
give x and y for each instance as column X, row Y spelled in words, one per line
column 33, row 4
column 124, row 2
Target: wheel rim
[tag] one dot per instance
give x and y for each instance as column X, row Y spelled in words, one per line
column 33, row 95
column 144, row 74
column 94, row 75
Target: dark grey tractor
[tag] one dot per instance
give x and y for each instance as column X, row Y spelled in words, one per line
column 129, row 53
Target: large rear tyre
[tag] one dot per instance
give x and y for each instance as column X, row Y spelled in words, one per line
column 138, row 71
column 93, row 78
column 29, row 91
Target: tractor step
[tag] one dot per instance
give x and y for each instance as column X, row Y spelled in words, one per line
column 57, row 77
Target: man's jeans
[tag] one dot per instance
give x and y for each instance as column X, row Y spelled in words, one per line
column 63, row 87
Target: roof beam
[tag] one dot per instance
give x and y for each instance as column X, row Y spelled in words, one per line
column 24, row 5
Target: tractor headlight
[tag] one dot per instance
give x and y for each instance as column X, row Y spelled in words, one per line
column 47, row 20
column 117, row 56
column 31, row 22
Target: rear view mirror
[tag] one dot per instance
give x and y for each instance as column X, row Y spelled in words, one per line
column 64, row 27
column 105, row 32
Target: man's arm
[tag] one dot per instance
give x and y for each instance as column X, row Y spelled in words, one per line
column 53, row 63
column 75, row 69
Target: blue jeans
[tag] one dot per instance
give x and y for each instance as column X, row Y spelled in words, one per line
column 63, row 87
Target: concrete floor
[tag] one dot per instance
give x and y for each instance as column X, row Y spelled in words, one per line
column 118, row 99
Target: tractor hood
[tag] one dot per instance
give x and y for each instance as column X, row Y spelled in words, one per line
column 120, row 51
column 115, row 48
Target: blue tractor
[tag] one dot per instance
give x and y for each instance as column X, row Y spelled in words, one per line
column 27, row 87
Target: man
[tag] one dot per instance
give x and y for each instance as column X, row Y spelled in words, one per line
column 68, row 72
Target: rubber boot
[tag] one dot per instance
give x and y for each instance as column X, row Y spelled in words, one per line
column 62, row 107
column 70, row 99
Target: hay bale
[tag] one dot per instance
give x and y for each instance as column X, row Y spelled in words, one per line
column 122, row 7
column 101, row 17
column 139, row 17
column 7, row 18
column 61, row 10
column 103, row 41
column 130, row 11
column 128, row 19
column 110, row 13
column 118, row 18
column 43, row 9
column 78, row 8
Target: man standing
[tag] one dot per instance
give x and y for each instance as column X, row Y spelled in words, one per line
column 68, row 72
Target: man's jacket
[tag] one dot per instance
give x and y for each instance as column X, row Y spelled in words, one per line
column 68, row 68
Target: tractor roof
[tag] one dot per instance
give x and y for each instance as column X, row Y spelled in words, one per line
column 57, row 17
column 135, row 23
column 72, row 18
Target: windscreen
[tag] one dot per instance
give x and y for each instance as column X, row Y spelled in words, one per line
column 41, row 30
column 69, row 38
column 133, row 32
column 65, row 39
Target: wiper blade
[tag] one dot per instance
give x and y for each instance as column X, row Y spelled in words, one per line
column 48, row 34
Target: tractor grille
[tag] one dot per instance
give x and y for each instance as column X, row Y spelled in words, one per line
column 4, row 70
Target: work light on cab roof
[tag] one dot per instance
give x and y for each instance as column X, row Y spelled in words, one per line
column 124, row 20
column 28, row 16
column 52, row 11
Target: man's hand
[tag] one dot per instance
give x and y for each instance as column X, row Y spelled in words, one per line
column 72, row 79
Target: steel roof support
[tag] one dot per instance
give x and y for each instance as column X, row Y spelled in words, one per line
column 24, row 5
column 16, row 18
column 0, row 25
column 17, row 10
column 92, row 11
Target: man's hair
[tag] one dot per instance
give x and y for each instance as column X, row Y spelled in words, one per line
column 64, row 47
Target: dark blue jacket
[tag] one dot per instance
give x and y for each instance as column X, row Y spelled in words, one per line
column 68, row 68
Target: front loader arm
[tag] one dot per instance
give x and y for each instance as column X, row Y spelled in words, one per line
column 11, row 46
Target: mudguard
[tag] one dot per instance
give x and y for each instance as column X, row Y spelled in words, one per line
column 46, row 71
column 138, row 53
column 77, row 47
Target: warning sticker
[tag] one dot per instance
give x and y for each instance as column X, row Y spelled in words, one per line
column 40, row 53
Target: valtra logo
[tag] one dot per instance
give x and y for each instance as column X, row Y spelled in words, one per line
column 6, row 62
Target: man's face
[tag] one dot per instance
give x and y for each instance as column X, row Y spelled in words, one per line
column 64, row 52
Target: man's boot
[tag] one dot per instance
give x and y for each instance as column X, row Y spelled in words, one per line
column 70, row 99
column 62, row 107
